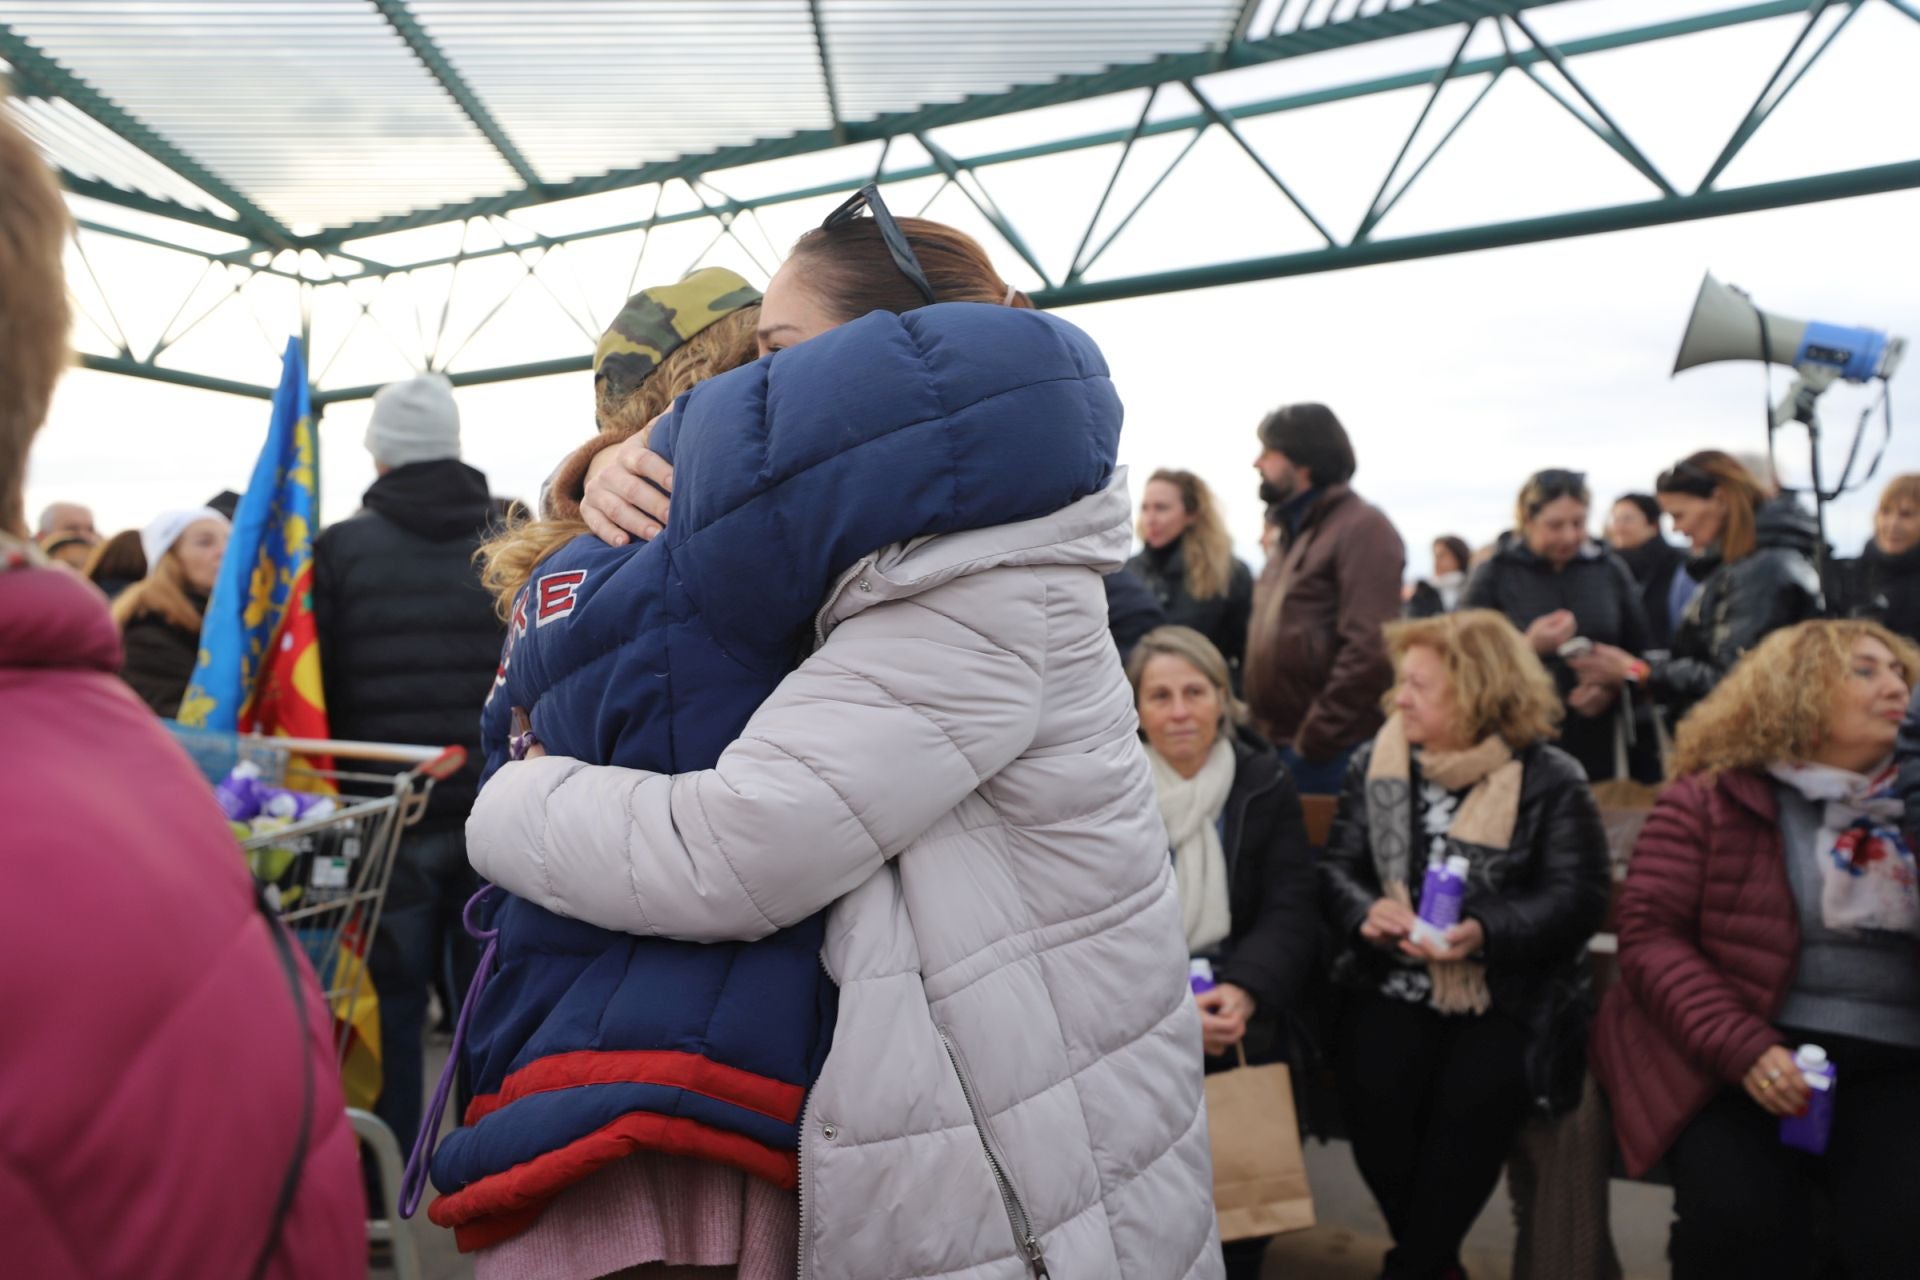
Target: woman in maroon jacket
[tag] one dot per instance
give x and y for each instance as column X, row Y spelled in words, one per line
column 1771, row 903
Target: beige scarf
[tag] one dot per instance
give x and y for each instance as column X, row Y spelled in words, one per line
column 1485, row 821
column 1191, row 809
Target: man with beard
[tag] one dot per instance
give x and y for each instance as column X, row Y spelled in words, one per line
column 1316, row 665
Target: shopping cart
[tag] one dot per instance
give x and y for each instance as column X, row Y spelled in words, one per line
column 327, row 876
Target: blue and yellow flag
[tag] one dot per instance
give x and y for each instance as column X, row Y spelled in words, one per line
column 259, row 668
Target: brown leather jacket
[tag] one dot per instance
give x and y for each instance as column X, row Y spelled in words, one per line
column 1316, row 665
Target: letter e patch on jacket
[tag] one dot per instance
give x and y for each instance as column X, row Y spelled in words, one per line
column 555, row 595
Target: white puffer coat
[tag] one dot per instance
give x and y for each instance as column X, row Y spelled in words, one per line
column 1015, row 1073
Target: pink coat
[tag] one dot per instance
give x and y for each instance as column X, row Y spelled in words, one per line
column 150, row 1061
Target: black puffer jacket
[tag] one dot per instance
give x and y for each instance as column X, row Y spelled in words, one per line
column 1272, row 892
column 1883, row 587
column 1740, row 604
column 1653, row 564
column 1222, row 619
column 1605, row 601
column 160, row 658
column 1131, row 611
column 409, row 641
column 1539, row 901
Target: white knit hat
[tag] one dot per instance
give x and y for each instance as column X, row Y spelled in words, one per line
column 165, row 529
column 414, row 421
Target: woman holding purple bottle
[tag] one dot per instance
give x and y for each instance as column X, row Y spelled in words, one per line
column 1451, row 1034
column 1764, row 1040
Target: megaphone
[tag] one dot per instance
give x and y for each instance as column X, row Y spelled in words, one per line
column 1726, row 325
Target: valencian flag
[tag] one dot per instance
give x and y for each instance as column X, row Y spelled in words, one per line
column 259, row 667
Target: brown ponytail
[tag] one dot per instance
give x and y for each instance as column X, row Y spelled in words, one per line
column 849, row 267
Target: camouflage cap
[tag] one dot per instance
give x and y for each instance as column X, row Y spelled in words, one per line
column 657, row 320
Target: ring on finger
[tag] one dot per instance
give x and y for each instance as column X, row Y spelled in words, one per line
column 1774, row 1074
column 1765, row 1085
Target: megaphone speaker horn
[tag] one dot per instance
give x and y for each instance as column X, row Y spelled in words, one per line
column 1725, row 325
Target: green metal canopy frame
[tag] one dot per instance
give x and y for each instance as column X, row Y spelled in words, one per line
column 1251, row 32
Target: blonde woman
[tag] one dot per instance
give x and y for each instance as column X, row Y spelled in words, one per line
column 1189, row 565
column 1771, row 903
column 160, row 616
column 1241, row 860
column 1884, row 583
column 1445, row 1049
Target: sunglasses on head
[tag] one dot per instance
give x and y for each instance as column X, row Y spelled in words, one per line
column 1552, row 484
column 1689, row 478
column 868, row 198
column 1558, row 482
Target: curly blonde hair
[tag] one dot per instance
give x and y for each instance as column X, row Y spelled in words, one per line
column 1499, row 686
column 1772, row 705
column 508, row 560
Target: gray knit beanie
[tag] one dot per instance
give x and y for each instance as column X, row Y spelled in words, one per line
column 414, row 421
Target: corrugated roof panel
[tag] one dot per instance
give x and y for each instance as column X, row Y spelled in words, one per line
column 896, row 55
column 315, row 109
column 84, row 147
column 592, row 85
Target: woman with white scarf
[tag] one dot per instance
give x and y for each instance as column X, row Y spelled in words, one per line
column 1772, row 903
column 1240, row 856
column 1443, row 1051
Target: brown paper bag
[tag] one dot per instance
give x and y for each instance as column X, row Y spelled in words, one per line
column 1259, row 1176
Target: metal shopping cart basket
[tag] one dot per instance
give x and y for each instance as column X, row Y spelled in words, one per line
column 327, row 876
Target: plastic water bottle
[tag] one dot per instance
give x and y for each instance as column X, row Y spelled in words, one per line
column 1200, row 976
column 1809, row 1132
column 1442, row 893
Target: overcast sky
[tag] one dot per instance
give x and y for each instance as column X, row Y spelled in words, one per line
column 1456, row 376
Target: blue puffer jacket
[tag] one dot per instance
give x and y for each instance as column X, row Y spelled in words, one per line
column 588, row 1045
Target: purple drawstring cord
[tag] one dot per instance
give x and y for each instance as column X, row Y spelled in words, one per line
column 413, row 1183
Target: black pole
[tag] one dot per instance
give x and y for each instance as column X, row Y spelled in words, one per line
column 1805, row 412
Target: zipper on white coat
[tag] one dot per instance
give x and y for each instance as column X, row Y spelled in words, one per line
column 1023, row 1233
column 839, row 589
column 800, row 1168
column 800, row 1151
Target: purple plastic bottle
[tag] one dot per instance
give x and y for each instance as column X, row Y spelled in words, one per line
column 1809, row 1132
column 1200, row 976
column 1441, row 895
column 238, row 794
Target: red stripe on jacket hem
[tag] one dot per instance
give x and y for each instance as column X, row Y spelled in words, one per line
column 772, row 1098
column 501, row 1206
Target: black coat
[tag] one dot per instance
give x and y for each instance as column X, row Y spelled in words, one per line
column 1273, row 941
column 1223, row 619
column 1131, row 611
column 1879, row 586
column 1539, row 901
column 1740, row 604
column 409, row 640
column 160, row 658
column 1605, row 601
column 1653, row 564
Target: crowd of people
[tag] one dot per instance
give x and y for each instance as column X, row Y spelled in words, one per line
column 848, row 812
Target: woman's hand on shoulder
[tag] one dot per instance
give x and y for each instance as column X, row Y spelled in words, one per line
column 628, row 492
